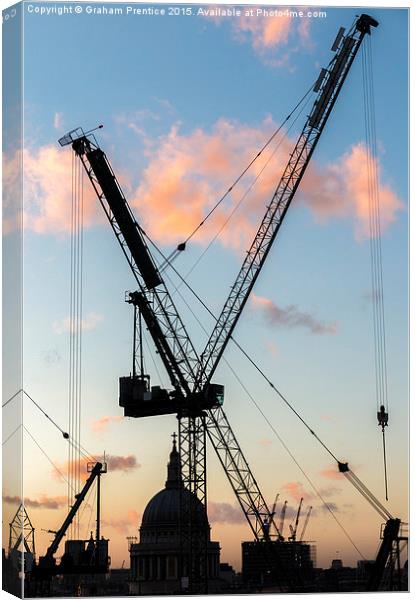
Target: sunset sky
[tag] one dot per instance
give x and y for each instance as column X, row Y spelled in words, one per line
column 186, row 102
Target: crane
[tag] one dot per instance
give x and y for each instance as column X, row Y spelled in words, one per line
column 293, row 530
column 282, row 519
column 194, row 398
column 267, row 522
column 310, row 508
column 46, row 567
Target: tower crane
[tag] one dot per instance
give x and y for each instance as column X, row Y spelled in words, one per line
column 293, row 530
column 282, row 519
column 194, row 398
column 310, row 508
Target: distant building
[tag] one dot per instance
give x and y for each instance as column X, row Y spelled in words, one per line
column 155, row 560
column 337, row 563
column 281, row 564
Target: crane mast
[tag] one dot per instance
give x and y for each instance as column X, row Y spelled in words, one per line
column 196, row 401
column 328, row 87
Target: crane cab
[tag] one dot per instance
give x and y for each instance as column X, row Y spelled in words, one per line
column 139, row 399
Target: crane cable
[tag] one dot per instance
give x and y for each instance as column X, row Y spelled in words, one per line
column 75, row 336
column 375, row 238
column 76, row 446
column 182, row 246
column 343, row 467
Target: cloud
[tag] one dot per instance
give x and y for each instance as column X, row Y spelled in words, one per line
column 125, row 525
column 330, row 491
column 123, row 464
column 224, row 512
column 89, row 322
column 296, row 490
column 328, row 507
column 269, row 34
column 44, row 501
column 265, row 443
column 58, row 120
column 340, row 190
column 12, row 190
column 290, row 316
column 186, row 174
column 272, row 348
column 48, row 193
column 331, row 473
column 100, row 425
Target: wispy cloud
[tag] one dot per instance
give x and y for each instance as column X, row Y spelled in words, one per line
column 101, row 424
column 265, row 442
column 224, row 512
column 123, row 525
column 290, row 316
column 271, row 347
column 58, row 120
column 296, row 490
column 331, row 473
column 44, row 501
column 123, row 464
column 274, row 33
column 89, row 322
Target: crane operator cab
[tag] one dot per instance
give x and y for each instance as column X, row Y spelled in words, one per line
column 139, row 399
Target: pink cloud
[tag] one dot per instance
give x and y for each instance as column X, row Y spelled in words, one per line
column 187, row 173
column 48, row 193
column 185, row 176
column 296, row 490
column 340, row 190
column 331, row 473
column 124, row 525
column 89, row 322
column 269, row 33
column 289, row 316
column 100, row 425
column 265, row 442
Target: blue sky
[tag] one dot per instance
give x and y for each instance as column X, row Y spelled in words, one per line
column 150, row 78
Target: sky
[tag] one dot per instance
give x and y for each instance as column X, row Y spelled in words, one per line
column 186, row 102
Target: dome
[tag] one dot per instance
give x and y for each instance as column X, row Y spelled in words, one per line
column 164, row 507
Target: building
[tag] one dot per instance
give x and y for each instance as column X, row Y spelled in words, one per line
column 286, row 565
column 156, row 559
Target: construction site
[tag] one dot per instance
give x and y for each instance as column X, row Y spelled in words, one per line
column 174, row 376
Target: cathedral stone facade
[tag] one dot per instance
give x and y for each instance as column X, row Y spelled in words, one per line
column 155, row 560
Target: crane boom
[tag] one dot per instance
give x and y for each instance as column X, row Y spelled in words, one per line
column 173, row 342
column 328, row 87
column 79, row 499
column 310, row 508
column 294, row 529
column 282, row 518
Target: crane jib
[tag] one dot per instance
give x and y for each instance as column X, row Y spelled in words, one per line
column 123, row 216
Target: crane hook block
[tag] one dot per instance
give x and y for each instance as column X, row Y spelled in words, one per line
column 343, row 467
column 383, row 417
